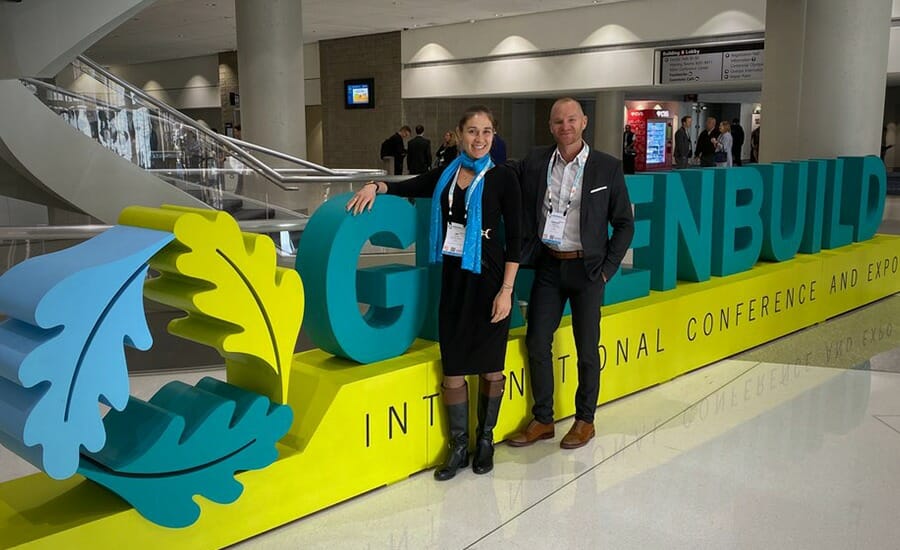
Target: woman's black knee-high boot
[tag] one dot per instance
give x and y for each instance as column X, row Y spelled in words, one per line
column 456, row 403
column 490, row 396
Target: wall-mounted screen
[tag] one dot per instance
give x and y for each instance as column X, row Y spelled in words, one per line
column 359, row 94
column 656, row 142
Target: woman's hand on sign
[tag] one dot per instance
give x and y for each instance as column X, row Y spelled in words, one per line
column 363, row 199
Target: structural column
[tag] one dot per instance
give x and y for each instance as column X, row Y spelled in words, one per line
column 780, row 122
column 825, row 77
column 609, row 123
column 273, row 106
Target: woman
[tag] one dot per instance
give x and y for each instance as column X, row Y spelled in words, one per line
column 447, row 151
column 469, row 197
column 723, row 145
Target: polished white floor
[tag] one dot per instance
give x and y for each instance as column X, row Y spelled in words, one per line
column 736, row 455
column 740, row 454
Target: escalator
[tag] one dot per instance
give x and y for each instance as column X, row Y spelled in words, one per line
column 77, row 138
column 112, row 145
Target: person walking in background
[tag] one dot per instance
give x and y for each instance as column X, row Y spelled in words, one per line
column 683, row 146
column 628, row 151
column 498, row 150
column 418, row 153
column 754, row 145
column 737, row 136
column 235, row 167
column 447, row 151
column 706, row 145
column 724, row 144
column 571, row 195
column 885, row 146
column 469, row 197
column 393, row 150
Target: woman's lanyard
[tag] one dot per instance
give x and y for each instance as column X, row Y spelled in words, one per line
column 571, row 191
column 469, row 191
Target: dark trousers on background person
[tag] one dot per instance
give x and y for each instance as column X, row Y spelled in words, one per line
column 628, row 163
column 556, row 281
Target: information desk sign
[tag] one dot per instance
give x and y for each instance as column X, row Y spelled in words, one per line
column 712, row 64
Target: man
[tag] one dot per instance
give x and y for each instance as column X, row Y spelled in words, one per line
column 571, row 194
column 628, row 152
column 706, row 146
column 418, row 152
column 737, row 144
column 392, row 148
column 754, row 145
column 683, row 147
column 498, row 149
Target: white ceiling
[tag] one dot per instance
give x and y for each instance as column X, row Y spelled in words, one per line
column 171, row 29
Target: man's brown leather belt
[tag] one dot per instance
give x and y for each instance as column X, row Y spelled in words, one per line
column 565, row 255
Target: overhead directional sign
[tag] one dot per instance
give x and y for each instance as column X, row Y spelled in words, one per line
column 712, row 64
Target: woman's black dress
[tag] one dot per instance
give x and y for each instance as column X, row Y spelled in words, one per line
column 470, row 343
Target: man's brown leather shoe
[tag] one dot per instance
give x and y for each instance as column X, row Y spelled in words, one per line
column 578, row 436
column 533, row 433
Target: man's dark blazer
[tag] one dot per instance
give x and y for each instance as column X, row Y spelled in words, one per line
column 393, row 147
column 737, row 136
column 683, row 149
column 705, row 147
column 604, row 202
column 418, row 155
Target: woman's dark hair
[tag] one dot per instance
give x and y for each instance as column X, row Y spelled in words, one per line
column 476, row 110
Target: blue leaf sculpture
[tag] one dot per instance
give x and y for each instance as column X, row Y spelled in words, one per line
column 61, row 348
column 186, row 441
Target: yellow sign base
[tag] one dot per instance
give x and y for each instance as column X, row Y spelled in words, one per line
column 359, row 427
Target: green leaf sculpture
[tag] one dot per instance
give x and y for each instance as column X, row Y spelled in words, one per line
column 186, row 441
column 61, row 348
column 236, row 297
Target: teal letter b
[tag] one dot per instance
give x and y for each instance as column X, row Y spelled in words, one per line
column 737, row 225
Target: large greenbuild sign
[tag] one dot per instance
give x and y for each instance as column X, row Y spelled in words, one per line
column 689, row 225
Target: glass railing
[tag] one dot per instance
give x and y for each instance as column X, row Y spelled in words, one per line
column 18, row 244
column 163, row 141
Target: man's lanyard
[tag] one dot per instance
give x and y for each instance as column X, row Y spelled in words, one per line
column 469, row 191
column 571, row 191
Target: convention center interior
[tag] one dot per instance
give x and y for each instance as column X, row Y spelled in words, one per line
column 411, row 274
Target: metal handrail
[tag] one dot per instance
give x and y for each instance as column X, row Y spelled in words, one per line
column 249, row 159
column 280, row 155
column 62, row 91
column 37, row 233
column 338, row 171
column 50, row 232
column 236, row 146
column 79, row 232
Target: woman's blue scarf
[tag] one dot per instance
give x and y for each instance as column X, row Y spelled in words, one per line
column 471, row 258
